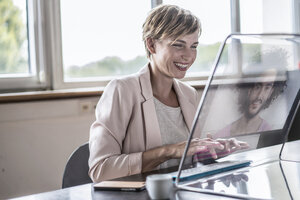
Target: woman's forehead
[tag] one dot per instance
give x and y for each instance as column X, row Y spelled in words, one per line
column 193, row 37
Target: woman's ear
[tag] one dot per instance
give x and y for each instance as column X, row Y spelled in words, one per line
column 150, row 42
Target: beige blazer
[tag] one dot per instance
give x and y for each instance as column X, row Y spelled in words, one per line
column 126, row 125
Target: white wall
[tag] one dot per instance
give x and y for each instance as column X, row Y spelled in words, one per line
column 36, row 139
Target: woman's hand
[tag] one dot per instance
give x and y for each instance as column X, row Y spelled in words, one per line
column 230, row 145
column 206, row 145
column 154, row 157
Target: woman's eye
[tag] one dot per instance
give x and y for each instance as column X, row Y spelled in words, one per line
column 194, row 47
column 177, row 45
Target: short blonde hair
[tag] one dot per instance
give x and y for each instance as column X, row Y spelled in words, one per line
column 169, row 21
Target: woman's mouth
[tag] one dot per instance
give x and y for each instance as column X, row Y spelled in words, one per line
column 181, row 66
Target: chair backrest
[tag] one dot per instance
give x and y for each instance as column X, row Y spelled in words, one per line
column 76, row 170
column 295, row 129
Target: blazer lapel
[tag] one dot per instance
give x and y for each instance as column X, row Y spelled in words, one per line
column 153, row 135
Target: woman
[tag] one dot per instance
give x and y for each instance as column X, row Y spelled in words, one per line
column 143, row 120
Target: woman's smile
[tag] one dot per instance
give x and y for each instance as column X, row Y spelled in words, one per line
column 181, row 66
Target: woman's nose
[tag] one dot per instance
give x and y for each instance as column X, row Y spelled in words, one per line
column 187, row 54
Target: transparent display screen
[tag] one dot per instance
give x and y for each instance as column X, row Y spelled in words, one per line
column 252, row 91
column 252, row 97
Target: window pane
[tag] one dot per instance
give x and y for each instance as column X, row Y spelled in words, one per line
column 102, row 38
column 215, row 20
column 265, row 16
column 13, row 38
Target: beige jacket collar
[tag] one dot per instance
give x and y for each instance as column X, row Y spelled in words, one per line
column 153, row 135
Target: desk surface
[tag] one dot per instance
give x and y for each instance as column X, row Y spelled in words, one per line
column 267, row 177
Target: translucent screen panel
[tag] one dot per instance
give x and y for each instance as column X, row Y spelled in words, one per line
column 262, row 182
column 290, row 151
column 251, row 93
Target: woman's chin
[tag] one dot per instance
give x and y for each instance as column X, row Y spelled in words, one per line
column 180, row 76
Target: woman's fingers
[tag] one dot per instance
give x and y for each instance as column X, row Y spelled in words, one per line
column 197, row 147
column 244, row 145
column 226, row 144
column 213, row 153
column 233, row 144
column 210, row 149
column 201, row 149
column 209, row 135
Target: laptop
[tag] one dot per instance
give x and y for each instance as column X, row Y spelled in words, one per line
column 252, row 94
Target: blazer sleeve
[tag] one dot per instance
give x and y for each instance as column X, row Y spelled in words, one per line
column 113, row 113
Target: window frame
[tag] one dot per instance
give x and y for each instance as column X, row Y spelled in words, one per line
column 45, row 41
column 36, row 50
column 58, row 82
column 58, row 74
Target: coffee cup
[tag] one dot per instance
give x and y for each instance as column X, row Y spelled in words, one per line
column 159, row 186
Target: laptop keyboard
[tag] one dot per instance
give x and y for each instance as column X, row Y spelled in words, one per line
column 210, row 169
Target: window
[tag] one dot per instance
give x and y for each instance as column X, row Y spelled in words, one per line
column 74, row 43
column 264, row 16
column 215, row 28
column 258, row 16
column 18, row 64
column 101, row 40
column 14, row 43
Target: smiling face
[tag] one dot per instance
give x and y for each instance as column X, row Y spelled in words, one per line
column 172, row 58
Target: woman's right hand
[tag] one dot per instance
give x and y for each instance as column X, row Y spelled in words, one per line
column 154, row 157
column 206, row 145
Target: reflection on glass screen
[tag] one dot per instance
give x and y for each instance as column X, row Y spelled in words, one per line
column 252, row 90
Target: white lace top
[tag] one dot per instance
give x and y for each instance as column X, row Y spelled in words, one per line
column 172, row 126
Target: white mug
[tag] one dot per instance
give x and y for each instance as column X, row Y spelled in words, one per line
column 159, row 186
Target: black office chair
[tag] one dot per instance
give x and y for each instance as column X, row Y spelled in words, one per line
column 295, row 129
column 76, row 170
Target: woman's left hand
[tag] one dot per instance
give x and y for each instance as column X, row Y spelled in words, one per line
column 230, row 145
